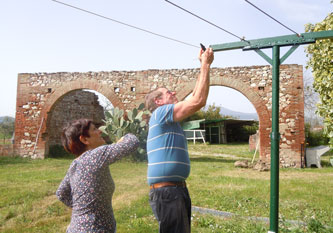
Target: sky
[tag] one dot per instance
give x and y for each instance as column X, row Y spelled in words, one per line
column 45, row 36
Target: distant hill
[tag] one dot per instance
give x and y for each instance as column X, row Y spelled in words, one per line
column 239, row 115
column 2, row 117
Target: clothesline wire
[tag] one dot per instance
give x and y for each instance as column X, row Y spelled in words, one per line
column 172, row 39
column 299, row 35
column 241, row 38
column 125, row 24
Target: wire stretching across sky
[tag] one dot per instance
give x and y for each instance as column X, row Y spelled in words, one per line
column 125, row 24
column 241, row 38
column 272, row 17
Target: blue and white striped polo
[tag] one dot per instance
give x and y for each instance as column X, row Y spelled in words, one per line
column 168, row 158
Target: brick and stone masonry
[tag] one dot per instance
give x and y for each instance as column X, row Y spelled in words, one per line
column 74, row 105
column 41, row 96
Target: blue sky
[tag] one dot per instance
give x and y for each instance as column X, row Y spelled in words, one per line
column 44, row 36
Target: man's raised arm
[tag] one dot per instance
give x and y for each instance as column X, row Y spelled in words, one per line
column 186, row 108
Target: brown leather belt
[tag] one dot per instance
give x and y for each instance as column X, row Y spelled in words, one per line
column 164, row 184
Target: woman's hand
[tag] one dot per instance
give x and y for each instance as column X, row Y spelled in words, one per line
column 120, row 140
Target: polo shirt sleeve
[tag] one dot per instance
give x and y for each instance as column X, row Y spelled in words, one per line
column 164, row 114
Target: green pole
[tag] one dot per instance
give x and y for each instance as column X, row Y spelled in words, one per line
column 275, row 139
column 275, row 43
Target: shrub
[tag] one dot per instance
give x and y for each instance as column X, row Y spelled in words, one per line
column 117, row 125
column 315, row 138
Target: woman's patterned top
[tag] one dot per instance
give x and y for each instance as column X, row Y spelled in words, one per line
column 88, row 187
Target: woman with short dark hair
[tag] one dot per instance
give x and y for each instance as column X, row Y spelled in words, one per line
column 88, row 185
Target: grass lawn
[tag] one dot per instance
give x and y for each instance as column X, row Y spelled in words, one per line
column 28, row 202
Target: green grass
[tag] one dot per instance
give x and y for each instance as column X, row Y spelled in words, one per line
column 235, row 149
column 28, row 203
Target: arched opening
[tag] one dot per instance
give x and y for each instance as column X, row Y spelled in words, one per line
column 232, row 102
column 242, row 125
column 76, row 104
column 227, row 117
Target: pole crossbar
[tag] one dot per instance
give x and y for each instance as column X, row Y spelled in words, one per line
column 275, row 43
column 270, row 42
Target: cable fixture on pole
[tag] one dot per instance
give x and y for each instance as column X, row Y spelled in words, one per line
column 241, row 38
column 299, row 35
column 125, row 24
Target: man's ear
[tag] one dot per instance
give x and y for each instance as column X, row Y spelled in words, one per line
column 158, row 101
column 84, row 140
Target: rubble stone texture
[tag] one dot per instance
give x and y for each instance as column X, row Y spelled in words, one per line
column 42, row 106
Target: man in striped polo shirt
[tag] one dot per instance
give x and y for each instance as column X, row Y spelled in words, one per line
column 168, row 159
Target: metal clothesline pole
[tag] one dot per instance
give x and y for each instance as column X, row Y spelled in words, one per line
column 275, row 43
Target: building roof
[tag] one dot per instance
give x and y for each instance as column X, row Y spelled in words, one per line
column 188, row 125
column 196, row 124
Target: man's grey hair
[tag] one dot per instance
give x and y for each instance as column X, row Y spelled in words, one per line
column 150, row 99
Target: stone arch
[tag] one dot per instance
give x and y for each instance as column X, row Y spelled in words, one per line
column 260, row 107
column 73, row 105
column 253, row 97
column 59, row 93
column 81, row 84
column 37, row 93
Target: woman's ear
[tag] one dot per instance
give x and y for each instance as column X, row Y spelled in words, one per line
column 84, row 140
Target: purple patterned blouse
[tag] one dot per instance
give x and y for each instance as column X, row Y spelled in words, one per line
column 88, row 187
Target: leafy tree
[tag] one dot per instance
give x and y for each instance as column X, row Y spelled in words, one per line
column 314, row 138
column 7, row 127
column 211, row 112
column 320, row 61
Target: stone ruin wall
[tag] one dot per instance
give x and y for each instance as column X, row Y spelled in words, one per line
column 38, row 93
column 74, row 105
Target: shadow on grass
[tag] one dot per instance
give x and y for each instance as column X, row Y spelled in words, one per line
column 210, row 159
column 62, row 157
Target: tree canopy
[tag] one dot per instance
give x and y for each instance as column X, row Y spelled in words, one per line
column 321, row 62
column 211, row 112
column 6, row 127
